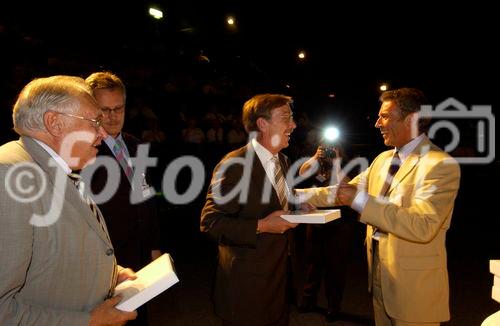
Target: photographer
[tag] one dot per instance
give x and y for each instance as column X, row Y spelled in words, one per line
column 328, row 246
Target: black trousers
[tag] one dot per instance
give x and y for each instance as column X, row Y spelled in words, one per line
column 328, row 249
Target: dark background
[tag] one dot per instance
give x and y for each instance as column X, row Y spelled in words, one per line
column 190, row 63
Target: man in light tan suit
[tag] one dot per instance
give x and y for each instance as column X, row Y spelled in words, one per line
column 57, row 262
column 406, row 198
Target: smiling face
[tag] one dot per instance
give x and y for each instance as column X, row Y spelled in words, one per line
column 276, row 131
column 112, row 103
column 395, row 129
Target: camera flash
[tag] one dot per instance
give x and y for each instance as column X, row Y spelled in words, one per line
column 331, row 134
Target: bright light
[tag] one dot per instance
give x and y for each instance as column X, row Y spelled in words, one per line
column 230, row 20
column 384, row 87
column 331, row 134
column 302, row 55
column 158, row 14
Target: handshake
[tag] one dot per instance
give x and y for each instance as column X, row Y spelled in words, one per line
column 341, row 194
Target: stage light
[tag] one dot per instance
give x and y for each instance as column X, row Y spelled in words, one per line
column 156, row 13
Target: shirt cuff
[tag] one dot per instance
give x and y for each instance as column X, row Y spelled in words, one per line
column 359, row 202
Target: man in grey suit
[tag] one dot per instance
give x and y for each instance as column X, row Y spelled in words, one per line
column 57, row 262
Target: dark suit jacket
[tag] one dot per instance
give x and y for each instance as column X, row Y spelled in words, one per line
column 250, row 286
column 133, row 228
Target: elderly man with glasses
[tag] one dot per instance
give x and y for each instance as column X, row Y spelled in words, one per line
column 58, row 264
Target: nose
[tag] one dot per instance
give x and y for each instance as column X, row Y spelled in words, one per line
column 377, row 123
column 293, row 124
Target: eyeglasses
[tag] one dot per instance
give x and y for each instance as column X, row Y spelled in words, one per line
column 117, row 110
column 96, row 122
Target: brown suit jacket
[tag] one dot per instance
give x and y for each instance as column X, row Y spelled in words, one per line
column 251, row 278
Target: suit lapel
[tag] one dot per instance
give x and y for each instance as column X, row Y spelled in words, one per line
column 407, row 166
column 410, row 163
column 260, row 180
column 69, row 193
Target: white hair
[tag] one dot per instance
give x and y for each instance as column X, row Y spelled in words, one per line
column 55, row 93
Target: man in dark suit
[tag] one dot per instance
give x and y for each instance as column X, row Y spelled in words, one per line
column 133, row 227
column 242, row 212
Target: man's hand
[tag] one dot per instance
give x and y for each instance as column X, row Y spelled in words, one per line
column 125, row 274
column 346, row 193
column 307, row 207
column 106, row 314
column 273, row 223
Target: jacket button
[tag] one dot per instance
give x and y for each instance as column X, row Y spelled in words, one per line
column 109, row 252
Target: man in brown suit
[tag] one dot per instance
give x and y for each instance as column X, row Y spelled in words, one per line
column 242, row 213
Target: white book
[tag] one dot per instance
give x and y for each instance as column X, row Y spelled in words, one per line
column 496, row 280
column 495, row 267
column 152, row 280
column 318, row 216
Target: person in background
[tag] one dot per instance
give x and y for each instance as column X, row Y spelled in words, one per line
column 406, row 199
column 253, row 240
column 58, row 264
column 328, row 247
column 134, row 228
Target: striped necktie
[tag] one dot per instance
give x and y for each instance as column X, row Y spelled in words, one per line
column 393, row 169
column 279, row 182
column 80, row 185
column 121, row 156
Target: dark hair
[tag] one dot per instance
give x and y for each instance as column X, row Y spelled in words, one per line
column 261, row 106
column 408, row 100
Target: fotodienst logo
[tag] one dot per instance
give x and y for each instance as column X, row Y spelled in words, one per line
column 481, row 126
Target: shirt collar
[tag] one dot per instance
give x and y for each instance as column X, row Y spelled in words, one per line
column 263, row 153
column 406, row 150
column 59, row 160
column 111, row 141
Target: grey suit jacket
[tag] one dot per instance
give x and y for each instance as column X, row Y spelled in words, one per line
column 55, row 267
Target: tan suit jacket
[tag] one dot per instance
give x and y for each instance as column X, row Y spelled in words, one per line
column 54, row 274
column 415, row 215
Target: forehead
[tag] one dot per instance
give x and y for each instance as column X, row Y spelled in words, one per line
column 88, row 107
column 388, row 108
column 108, row 95
column 282, row 110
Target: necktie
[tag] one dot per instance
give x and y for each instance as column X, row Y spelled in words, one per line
column 279, row 182
column 80, row 185
column 393, row 169
column 119, row 151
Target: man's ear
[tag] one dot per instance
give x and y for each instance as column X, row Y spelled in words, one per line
column 411, row 122
column 262, row 124
column 53, row 123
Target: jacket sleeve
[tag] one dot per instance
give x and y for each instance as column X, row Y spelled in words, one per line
column 220, row 217
column 16, row 249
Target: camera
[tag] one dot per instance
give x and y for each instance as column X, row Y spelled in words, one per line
column 329, row 151
column 329, row 148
